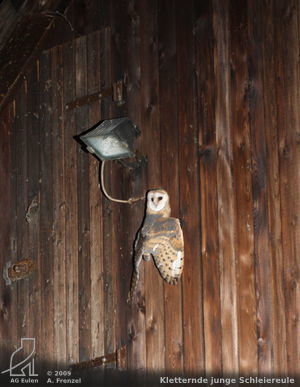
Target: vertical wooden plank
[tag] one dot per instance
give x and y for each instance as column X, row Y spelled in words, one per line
column 59, row 208
column 84, row 268
column 208, row 183
column 135, row 183
column 13, row 251
column 46, row 208
column 243, row 189
column 274, row 207
column 189, row 191
column 140, row 316
column 296, row 141
column 33, row 210
column 225, row 181
column 259, row 190
column 124, row 53
column 109, row 315
column 96, row 208
column 170, row 170
column 125, row 22
column 287, row 90
column 153, row 318
column 7, row 324
column 71, row 243
column 22, row 204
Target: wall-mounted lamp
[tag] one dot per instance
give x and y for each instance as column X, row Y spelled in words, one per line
column 112, row 140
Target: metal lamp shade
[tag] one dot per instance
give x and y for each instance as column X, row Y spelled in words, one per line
column 112, row 139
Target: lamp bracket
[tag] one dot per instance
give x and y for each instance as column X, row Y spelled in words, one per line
column 117, row 92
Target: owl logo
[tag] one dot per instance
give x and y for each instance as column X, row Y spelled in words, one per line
column 160, row 237
column 25, row 362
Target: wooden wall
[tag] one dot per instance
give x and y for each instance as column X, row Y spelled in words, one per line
column 214, row 88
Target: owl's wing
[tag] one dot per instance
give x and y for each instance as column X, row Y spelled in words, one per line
column 168, row 253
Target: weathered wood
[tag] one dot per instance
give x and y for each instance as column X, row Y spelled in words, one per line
column 8, row 15
column 296, row 148
column 33, row 210
column 71, row 244
column 78, row 19
column 208, row 184
column 22, row 204
column 24, row 45
column 151, row 307
column 214, row 88
column 239, row 111
column 225, row 181
column 109, row 315
column 13, row 253
column 122, row 215
column 125, row 23
column 46, row 207
column 96, row 208
column 287, row 92
column 259, row 190
column 7, row 313
column 84, row 279
column 59, row 208
column 169, row 169
column 274, row 208
column 189, row 192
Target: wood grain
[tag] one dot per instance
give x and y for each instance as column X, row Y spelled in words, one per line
column 13, row 319
column 7, row 314
column 153, row 309
column 259, row 190
column 22, row 202
column 46, row 209
column 170, row 169
column 33, row 221
column 214, row 88
column 126, row 65
column 109, row 297
column 96, row 207
column 71, row 246
column 84, row 269
column 193, row 356
column 225, row 183
column 288, row 120
column 274, row 206
column 208, row 188
column 239, row 85
column 59, row 208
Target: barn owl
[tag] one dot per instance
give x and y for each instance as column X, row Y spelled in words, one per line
column 160, row 237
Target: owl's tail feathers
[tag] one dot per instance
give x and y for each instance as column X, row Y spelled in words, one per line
column 133, row 286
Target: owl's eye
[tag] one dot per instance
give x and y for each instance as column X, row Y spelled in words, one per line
column 152, row 199
column 160, row 198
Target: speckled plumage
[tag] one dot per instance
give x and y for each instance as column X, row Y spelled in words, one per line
column 160, row 237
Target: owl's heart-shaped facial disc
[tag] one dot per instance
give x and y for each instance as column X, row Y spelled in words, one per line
column 157, row 200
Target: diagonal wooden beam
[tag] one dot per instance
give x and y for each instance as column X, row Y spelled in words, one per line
column 24, row 46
